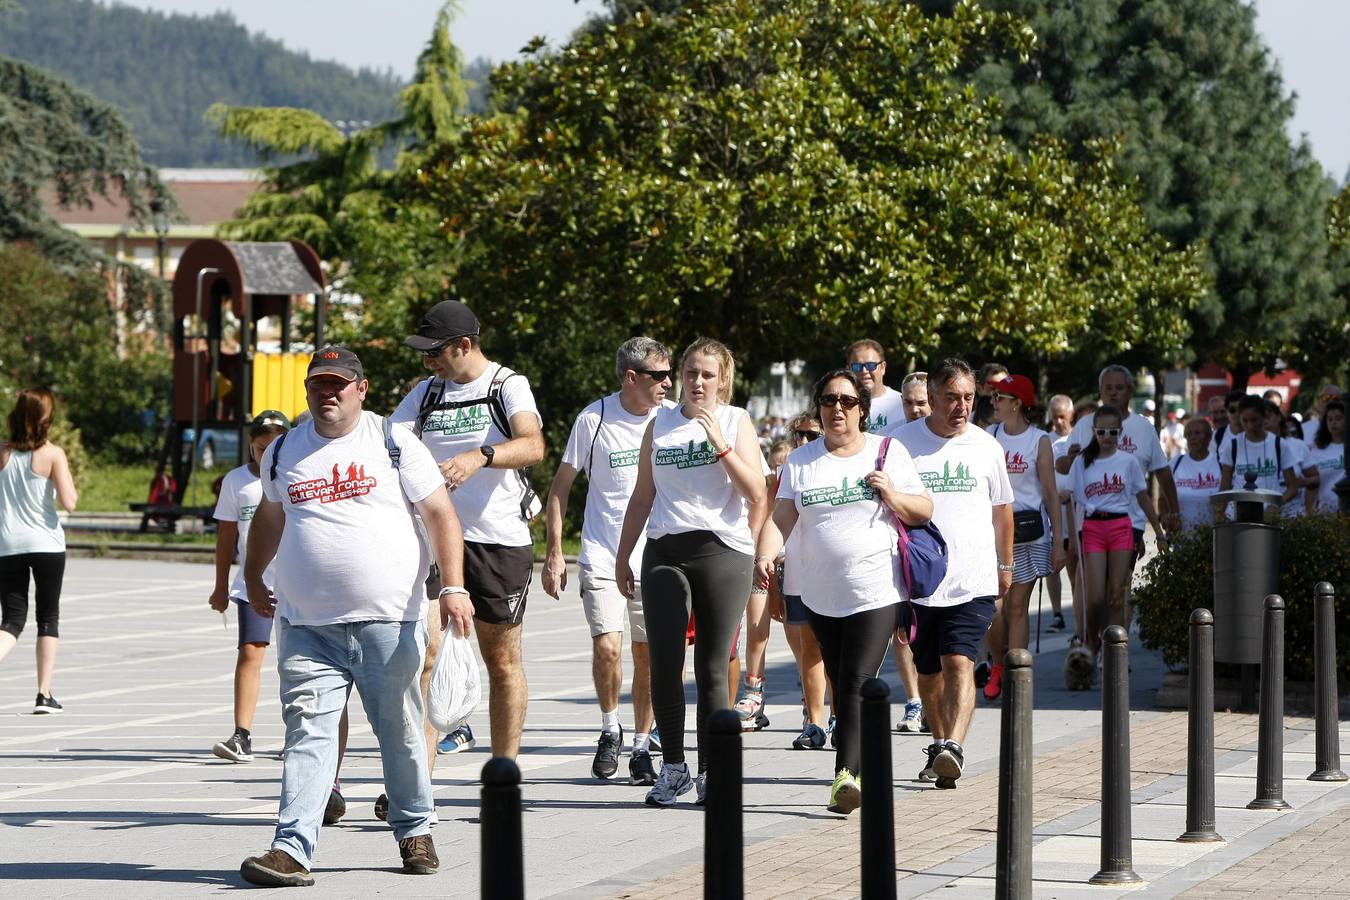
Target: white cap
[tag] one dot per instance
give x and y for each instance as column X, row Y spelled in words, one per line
column 1149, row 406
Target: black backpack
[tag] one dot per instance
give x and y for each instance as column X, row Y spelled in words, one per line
column 432, row 401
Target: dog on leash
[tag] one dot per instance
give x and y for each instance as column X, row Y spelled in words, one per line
column 1080, row 669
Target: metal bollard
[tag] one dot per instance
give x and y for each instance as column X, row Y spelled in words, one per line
column 878, row 799
column 502, row 872
column 1270, row 727
column 1200, row 733
column 1328, row 700
column 1012, row 880
column 1117, row 849
column 723, row 874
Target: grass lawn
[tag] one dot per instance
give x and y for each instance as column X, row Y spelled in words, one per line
column 112, row 488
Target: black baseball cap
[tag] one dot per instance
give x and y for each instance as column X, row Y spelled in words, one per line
column 445, row 321
column 268, row 417
column 336, row 360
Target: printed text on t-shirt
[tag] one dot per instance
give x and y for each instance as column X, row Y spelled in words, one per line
column 467, row 420
column 1016, row 463
column 355, row 484
column 1110, row 484
column 696, row 454
column 847, row 492
column 948, row 482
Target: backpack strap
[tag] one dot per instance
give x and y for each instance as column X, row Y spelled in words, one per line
column 429, row 402
column 276, row 455
column 590, row 459
column 395, row 454
column 497, row 409
column 1176, row 463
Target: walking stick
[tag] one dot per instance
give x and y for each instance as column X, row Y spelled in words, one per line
column 1040, row 588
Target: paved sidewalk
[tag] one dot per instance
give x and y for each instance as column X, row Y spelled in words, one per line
column 121, row 797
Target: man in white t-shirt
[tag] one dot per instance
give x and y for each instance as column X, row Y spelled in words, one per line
column 481, row 424
column 605, row 443
column 337, row 515
column 1138, row 438
column 867, row 360
column 963, row 467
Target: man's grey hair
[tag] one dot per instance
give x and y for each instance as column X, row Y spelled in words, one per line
column 1060, row 400
column 1115, row 369
column 634, row 352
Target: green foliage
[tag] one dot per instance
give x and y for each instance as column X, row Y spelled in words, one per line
column 163, row 71
column 54, row 332
column 792, row 173
column 1312, row 549
column 1201, row 113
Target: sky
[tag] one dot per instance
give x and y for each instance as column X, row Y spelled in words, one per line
column 1306, row 37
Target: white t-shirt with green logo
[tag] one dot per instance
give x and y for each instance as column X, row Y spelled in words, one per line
column 488, row 504
column 967, row 477
column 607, row 449
column 887, row 412
column 1330, row 464
column 240, row 493
column 845, row 556
column 693, row 490
column 1262, row 458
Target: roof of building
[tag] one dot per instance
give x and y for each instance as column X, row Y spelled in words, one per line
column 206, row 198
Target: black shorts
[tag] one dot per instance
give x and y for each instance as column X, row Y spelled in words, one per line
column 794, row 610
column 948, row 631
column 498, row 581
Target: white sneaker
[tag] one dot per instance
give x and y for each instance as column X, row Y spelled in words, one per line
column 673, row 781
column 701, row 788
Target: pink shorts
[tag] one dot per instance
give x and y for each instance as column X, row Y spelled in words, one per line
column 1107, row 535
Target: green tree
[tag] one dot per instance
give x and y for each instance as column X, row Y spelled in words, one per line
column 1201, row 114
column 788, row 175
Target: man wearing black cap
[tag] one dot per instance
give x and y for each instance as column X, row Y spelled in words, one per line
column 481, row 424
column 337, row 516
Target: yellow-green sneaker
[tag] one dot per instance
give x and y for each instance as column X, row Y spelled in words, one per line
column 845, row 793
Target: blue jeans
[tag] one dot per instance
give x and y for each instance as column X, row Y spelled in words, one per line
column 318, row 665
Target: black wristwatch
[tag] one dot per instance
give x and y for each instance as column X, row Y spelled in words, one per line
column 488, row 452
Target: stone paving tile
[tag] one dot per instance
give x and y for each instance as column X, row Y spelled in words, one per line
column 1310, row 862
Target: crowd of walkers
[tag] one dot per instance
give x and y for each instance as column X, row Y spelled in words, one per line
column 364, row 543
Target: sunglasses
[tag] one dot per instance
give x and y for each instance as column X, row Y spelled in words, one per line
column 860, row 366
column 845, row 401
column 803, row 435
column 912, row 377
column 654, row 374
column 1106, row 432
column 435, row 351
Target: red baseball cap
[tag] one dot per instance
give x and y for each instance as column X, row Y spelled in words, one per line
column 1018, row 386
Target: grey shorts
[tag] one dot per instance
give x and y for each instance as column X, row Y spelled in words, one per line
column 253, row 628
column 604, row 605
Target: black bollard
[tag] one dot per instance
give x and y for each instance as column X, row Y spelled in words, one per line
column 1117, row 849
column 723, row 874
column 1200, row 733
column 1270, row 726
column 502, row 873
column 1328, row 700
column 1012, row 880
column 878, row 800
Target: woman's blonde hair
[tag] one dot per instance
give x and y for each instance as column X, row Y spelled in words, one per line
column 31, row 419
column 718, row 351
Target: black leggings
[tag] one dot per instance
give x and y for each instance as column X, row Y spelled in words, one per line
column 853, row 648
column 48, row 569
column 680, row 572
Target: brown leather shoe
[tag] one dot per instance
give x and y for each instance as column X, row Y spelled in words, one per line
column 419, row 855
column 275, row 868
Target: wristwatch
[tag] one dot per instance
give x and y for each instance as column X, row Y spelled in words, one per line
column 488, row 452
column 1008, row 568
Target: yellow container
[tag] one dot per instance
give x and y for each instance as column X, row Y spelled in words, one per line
column 279, row 382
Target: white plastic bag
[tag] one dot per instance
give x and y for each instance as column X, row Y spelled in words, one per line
column 455, row 690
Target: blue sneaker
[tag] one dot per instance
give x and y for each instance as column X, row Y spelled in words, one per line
column 457, row 741
column 654, row 740
column 811, row 738
column 912, row 722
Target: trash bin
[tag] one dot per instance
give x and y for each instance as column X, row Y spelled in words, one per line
column 1246, row 570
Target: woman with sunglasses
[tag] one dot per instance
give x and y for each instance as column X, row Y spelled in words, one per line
column 700, row 495
column 1103, row 482
column 1038, row 539
column 802, row 430
column 841, row 495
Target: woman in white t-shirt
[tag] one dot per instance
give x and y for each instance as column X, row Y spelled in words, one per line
column 1327, row 459
column 1038, row 548
column 1294, row 456
column 841, row 495
column 1104, row 480
column 1258, row 452
column 700, row 495
column 1197, row 475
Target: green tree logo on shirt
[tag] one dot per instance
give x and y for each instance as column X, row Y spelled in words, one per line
column 847, row 492
column 695, row 455
column 1265, row 468
column 465, row 420
column 947, row 482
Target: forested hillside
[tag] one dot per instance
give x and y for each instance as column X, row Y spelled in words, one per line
column 163, row 71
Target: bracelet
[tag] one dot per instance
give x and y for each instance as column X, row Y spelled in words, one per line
column 453, row 589
column 724, row 452
column 1008, row 568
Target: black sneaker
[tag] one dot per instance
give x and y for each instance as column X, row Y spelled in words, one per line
column 949, row 761
column 926, row 773
column 382, row 807
column 607, row 754
column 237, row 748
column 46, row 706
column 640, row 769
column 982, row 671
column 1057, row 624
column 945, row 784
column 336, row 808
